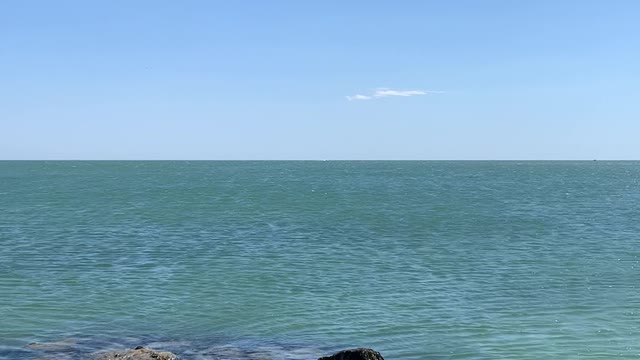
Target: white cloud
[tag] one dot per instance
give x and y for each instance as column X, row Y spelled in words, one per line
column 387, row 92
column 384, row 92
column 358, row 97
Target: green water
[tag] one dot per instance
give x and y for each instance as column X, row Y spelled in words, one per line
column 418, row 260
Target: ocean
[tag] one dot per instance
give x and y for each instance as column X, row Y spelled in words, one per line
column 297, row 259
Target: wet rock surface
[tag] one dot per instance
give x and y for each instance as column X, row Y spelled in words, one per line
column 124, row 348
column 354, row 354
column 139, row 353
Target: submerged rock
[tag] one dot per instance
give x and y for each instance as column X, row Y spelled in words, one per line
column 354, row 354
column 60, row 345
column 139, row 353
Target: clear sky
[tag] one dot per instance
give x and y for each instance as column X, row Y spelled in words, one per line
column 134, row 79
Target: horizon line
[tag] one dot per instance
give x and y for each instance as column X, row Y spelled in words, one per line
column 532, row 160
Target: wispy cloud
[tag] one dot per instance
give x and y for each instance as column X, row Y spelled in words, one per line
column 358, row 97
column 385, row 92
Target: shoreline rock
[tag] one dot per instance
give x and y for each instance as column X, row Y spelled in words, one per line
column 139, row 353
column 354, row 354
column 78, row 348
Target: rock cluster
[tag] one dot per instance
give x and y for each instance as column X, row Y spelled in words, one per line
column 70, row 348
column 354, row 354
column 139, row 353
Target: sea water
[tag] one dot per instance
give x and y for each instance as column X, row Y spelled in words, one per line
column 293, row 260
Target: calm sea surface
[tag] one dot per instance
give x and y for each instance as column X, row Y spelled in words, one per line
column 291, row 260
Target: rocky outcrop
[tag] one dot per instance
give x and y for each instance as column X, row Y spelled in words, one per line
column 139, row 353
column 78, row 348
column 354, row 354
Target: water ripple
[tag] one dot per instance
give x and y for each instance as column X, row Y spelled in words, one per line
column 419, row 260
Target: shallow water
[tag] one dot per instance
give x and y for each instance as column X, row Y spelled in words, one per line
column 418, row 260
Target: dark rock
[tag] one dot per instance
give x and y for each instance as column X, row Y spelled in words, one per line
column 354, row 354
column 139, row 353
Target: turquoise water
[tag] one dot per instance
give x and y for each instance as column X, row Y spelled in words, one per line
column 418, row 260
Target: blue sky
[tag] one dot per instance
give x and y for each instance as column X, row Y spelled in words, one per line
column 319, row 80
